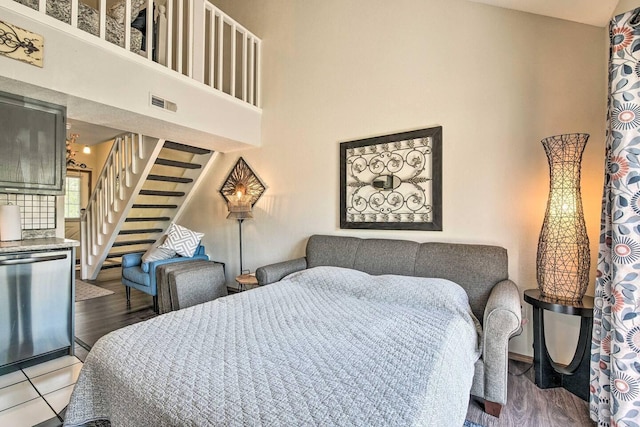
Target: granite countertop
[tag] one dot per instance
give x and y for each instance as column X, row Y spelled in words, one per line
column 37, row 244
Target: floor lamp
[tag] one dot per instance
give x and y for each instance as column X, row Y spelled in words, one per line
column 242, row 188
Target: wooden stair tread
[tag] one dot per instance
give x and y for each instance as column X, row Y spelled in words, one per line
column 186, row 148
column 153, row 206
column 133, row 242
column 106, row 266
column 147, row 219
column 177, row 164
column 141, row 231
column 161, row 193
column 120, row 254
column 166, row 178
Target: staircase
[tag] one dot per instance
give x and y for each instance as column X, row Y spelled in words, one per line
column 161, row 187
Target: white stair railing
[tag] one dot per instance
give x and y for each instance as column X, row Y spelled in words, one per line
column 124, row 172
column 191, row 37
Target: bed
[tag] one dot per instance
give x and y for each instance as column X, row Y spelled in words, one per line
column 89, row 20
column 482, row 270
column 319, row 345
column 325, row 346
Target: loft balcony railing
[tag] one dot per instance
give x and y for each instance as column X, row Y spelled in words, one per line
column 191, row 37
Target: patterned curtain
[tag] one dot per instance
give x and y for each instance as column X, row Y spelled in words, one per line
column 615, row 358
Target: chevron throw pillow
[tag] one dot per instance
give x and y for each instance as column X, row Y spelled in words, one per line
column 182, row 240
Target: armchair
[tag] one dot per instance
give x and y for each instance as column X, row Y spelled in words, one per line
column 142, row 276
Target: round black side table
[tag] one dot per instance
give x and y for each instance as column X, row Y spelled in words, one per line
column 548, row 374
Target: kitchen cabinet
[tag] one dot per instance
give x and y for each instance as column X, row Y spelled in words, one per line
column 33, row 146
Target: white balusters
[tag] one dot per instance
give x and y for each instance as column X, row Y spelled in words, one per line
column 170, row 34
column 149, row 36
column 252, row 67
column 103, row 18
column 127, row 18
column 180, row 34
column 233, row 60
column 244, row 66
column 225, row 69
column 220, row 48
column 195, row 39
column 74, row 13
column 190, row 44
column 258, row 67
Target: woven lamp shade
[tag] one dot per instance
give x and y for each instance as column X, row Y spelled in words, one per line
column 563, row 259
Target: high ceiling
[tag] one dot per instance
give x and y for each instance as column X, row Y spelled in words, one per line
column 592, row 12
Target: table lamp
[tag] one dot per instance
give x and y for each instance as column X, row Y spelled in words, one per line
column 562, row 266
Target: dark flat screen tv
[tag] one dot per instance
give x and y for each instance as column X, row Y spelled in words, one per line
column 32, row 145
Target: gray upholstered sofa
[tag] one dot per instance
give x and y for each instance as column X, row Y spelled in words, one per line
column 481, row 270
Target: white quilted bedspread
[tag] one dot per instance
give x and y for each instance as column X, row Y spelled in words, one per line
column 324, row 347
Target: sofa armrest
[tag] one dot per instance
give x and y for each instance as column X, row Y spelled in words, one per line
column 149, row 266
column 274, row 272
column 132, row 260
column 502, row 320
column 154, row 264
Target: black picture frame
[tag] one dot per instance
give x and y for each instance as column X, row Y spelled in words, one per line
column 392, row 182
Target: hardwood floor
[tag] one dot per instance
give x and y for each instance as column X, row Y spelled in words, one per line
column 528, row 406
column 99, row 316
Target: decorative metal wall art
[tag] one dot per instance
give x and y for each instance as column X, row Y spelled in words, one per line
column 243, row 179
column 18, row 43
column 392, row 182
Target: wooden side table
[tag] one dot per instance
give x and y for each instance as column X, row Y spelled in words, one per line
column 245, row 280
column 548, row 374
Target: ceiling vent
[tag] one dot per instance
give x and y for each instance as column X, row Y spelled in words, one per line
column 156, row 101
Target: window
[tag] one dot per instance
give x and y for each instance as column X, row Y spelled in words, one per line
column 72, row 197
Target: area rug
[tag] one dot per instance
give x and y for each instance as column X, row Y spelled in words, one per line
column 85, row 291
column 468, row 423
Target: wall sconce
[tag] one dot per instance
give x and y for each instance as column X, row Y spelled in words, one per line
column 86, row 149
column 242, row 188
column 562, row 266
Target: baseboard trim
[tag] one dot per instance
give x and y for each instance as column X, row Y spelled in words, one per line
column 82, row 344
column 529, row 359
column 520, row 357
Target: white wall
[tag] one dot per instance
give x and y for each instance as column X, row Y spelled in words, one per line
column 498, row 81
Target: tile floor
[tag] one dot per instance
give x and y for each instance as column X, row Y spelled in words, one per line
column 38, row 393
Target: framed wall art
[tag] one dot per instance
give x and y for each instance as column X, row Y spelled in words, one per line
column 392, row 182
column 18, row 43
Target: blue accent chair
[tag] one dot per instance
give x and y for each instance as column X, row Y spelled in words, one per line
column 142, row 275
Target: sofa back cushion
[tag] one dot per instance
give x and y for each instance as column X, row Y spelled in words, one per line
column 335, row 251
column 477, row 268
column 386, row 256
